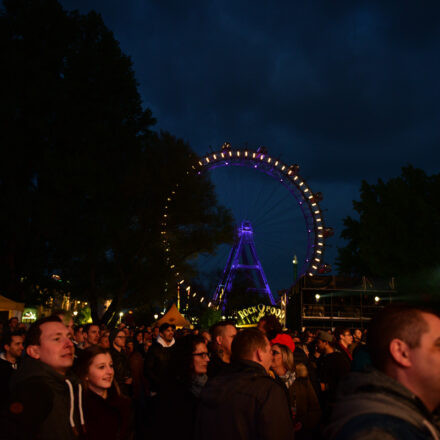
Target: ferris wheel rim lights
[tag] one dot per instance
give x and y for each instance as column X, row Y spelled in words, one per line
column 288, row 173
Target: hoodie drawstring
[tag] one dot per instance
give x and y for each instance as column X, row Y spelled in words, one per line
column 81, row 414
column 72, row 406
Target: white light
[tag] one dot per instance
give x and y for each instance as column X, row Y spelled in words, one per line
column 315, row 267
column 200, row 163
column 207, row 159
column 320, row 236
column 246, row 154
column 262, row 157
column 253, row 155
column 215, row 157
column 283, row 167
column 317, row 296
column 289, row 172
column 230, row 154
column 318, row 219
column 319, row 251
column 121, row 313
column 320, row 227
column 75, row 313
column 188, row 288
column 201, row 299
column 317, row 259
column 307, row 190
column 301, row 183
column 310, row 197
column 269, row 160
column 222, row 154
column 209, row 304
column 156, row 316
column 181, row 282
column 376, row 299
column 238, row 153
column 320, row 243
column 276, row 163
column 223, row 317
column 296, row 178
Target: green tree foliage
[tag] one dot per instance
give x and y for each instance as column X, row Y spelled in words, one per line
column 83, row 178
column 397, row 230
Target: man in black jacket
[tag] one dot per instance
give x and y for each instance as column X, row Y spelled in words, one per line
column 245, row 402
column 157, row 361
column 42, row 398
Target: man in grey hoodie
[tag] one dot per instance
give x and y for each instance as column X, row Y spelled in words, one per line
column 394, row 399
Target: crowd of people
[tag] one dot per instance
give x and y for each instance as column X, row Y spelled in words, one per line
column 64, row 381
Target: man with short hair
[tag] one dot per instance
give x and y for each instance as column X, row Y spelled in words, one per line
column 9, row 360
column 91, row 335
column 223, row 333
column 332, row 367
column 395, row 399
column 41, row 396
column 78, row 336
column 157, row 361
column 344, row 339
column 245, row 403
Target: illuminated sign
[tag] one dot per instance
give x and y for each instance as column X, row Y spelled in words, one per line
column 251, row 315
column 29, row 315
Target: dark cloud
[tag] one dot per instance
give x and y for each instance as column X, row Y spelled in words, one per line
column 349, row 90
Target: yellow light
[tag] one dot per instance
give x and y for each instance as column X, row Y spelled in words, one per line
column 254, row 155
column 230, row 154
column 301, row 183
column 209, row 304
column 320, row 244
column 169, row 199
column 201, row 299
column 245, row 154
column 310, row 197
column 222, row 154
column 317, row 259
column 289, row 172
column 318, row 220
column 269, row 160
column 283, row 167
column 181, row 282
column 315, row 267
column 319, row 252
column 306, row 190
column 172, row 266
column 200, row 163
column 207, row 159
column 215, row 157
column 262, row 157
column 295, row 178
column 238, row 153
column 320, row 227
column 313, row 204
column 320, row 235
column 276, row 163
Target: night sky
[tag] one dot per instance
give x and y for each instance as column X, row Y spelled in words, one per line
column 347, row 90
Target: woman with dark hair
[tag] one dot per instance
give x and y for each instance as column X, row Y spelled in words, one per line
column 181, row 395
column 107, row 414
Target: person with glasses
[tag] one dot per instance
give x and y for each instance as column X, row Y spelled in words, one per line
column 121, row 364
column 180, row 397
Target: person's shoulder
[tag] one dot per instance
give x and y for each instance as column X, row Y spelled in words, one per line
column 384, row 426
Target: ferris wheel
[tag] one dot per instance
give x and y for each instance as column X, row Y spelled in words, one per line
column 286, row 175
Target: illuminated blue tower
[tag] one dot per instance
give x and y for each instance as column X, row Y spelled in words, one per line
column 243, row 259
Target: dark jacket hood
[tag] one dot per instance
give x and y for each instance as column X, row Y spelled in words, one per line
column 373, row 392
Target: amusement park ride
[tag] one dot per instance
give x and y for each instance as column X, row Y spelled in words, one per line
column 243, row 256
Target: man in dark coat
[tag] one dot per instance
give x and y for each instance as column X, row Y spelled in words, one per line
column 41, row 395
column 9, row 360
column 156, row 367
column 245, row 402
column 396, row 399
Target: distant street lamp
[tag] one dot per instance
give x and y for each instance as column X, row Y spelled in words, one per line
column 295, row 268
column 156, row 316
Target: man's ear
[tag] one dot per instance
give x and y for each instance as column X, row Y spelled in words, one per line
column 259, row 354
column 399, row 351
column 33, row 351
column 219, row 340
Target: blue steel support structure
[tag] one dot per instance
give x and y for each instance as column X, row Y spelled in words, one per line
column 243, row 257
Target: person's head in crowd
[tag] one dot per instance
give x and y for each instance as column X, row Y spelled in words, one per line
column 206, row 336
column 129, row 346
column 91, row 335
column 66, row 318
column 95, row 370
column 117, row 339
column 344, row 337
column 404, row 343
column 148, row 336
column 282, row 359
column 155, row 331
column 139, row 337
column 357, row 335
column 78, row 334
column 196, row 331
column 13, row 346
column 104, row 340
column 121, row 325
column 190, row 358
column 49, row 341
column 252, row 345
column 325, row 342
column 166, row 332
column 270, row 326
column 223, row 333
column 13, row 323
